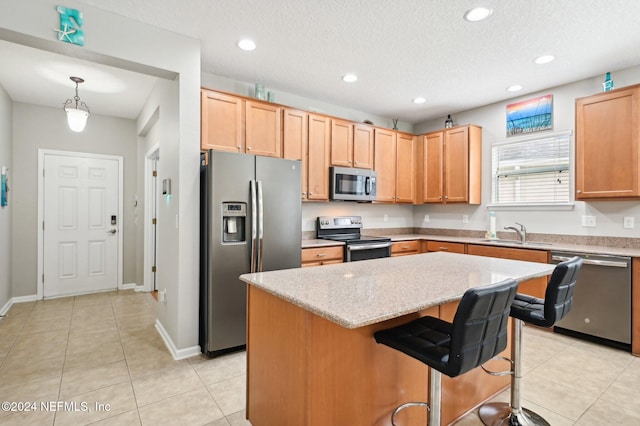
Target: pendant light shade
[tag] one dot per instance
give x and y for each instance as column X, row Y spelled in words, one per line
column 77, row 111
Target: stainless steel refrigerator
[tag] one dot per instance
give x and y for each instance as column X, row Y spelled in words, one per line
column 250, row 221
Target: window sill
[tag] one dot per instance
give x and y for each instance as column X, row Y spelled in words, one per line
column 531, row 207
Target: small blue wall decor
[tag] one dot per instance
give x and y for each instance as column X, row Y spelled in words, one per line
column 5, row 188
column 70, row 26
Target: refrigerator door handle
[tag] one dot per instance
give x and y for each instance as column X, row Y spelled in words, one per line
column 254, row 224
column 260, row 226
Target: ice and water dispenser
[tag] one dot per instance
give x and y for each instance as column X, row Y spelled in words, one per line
column 234, row 216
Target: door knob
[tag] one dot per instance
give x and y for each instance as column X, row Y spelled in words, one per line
column 111, row 231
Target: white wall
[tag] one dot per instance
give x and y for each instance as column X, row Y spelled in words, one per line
column 609, row 214
column 103, row 135
column 119, row 41
column 5, row 212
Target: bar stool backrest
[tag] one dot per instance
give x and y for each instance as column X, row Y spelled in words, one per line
column 479, row 328
column 560, row 288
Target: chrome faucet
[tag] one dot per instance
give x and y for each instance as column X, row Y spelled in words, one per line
column 522, row 232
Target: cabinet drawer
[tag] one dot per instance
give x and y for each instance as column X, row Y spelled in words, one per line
column 322, row 255
column 402, row 248
column 445, row 246
column 508, row 253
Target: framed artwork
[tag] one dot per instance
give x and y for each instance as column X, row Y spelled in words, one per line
column 532, row 115
column 4, row 187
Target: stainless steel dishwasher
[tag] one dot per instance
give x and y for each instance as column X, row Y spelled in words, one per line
column 601, row 309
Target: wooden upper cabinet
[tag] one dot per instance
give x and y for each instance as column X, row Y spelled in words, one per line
column 295, row 125
column 222, row 126
column 341, row 143
column 318, row 152
column 452, row 163
column 607, row 138
column 384, row 163
column 405, row 168
column 362, row 146
column 433, row 167
column 263, row 129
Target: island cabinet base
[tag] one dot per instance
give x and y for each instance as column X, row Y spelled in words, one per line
column 303, row 370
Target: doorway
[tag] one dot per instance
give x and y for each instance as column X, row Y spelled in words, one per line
column 150, row 217
column 80, row 209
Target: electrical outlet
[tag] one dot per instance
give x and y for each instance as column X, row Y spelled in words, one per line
column 589, row 221
column 465, row 218
column 162, row 296
column 426, row 218
column 628, row 222
column 385, row 218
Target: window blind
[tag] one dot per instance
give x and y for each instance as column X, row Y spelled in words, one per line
column 531, row 171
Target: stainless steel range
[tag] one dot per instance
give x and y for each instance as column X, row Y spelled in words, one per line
column 357, row 246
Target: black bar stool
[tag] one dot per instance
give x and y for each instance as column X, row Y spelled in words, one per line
column 557, row 302
column 478, row 333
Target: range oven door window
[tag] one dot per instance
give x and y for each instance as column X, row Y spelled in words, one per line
column 355, row 252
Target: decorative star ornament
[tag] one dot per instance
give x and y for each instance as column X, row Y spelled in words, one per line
column 65, row 33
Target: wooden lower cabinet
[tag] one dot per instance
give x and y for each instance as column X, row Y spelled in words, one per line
column 635, row 307
column 304, row 370
column 443, row 246
column 322, row 256
column 403, row 248
column 535, row 287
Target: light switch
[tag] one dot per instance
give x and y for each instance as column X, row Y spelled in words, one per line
column 628, row 222
column 589, row 221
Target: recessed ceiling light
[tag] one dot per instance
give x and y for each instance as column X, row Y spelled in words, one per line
column 419, row 100
column 544, row 59
column 477, row 14
column 246, row 44
column 514, row 88
column 349, row 78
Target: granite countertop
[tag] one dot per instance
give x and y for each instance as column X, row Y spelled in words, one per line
column 531, row 245
column 357, row 294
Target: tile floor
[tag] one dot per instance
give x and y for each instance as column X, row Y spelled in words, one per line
column 104, row 349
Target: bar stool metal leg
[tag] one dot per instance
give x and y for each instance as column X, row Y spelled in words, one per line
column 501, row 413
column 435, row 400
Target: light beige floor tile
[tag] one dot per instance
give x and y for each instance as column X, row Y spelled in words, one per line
column 90, row 341
column 230, row 394
column 607, row 413
column 102, row 404
column 16, row 372
column 43, row 345
column 79, row 381
column 238, row 419
column 625, row 390
column 191, row 408
column 23, row 307
column 29, row 418
column 13, row 324
column 222, row 368
column 142, row 366
column 154, row 387
column 108, row 352
column 6, row 342
column 130, row 418
column 36, row 391
column 560, row 399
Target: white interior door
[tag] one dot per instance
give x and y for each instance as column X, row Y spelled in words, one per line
column 81, row 224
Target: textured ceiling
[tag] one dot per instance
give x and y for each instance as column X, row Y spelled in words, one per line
column 401, row 49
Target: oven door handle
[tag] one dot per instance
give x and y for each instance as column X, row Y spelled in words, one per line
column 368, row 246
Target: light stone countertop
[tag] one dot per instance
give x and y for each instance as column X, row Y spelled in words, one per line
column 533, row 245
column 357, row 294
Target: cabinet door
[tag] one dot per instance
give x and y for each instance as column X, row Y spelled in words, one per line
column 432, row 167
column 456, row 165
column 607, row 132
column 405, row 167
column 362, row 147
column 294, row 141
column 341, row 143
column 263, row 132
column 222, row 123
column 318, row 165
column 384, row 162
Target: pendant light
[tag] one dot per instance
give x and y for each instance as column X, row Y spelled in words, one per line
column 77, row 111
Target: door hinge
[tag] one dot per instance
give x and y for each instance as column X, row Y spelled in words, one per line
column 155, row 173
column 153, row 221
column 43, row 225
column 43, row 278
column 153, row 269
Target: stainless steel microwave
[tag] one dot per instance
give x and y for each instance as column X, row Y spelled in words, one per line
column 352, row 184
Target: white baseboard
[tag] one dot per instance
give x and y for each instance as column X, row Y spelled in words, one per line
column 176, row 353
column 20, row 299
column 128, row 286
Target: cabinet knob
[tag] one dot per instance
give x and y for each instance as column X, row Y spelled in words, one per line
column 311, row 193
column 578, row 192
column 356, row 162
column 446, row 196
column 239, row 148
column 349, row 161
column 248, row 148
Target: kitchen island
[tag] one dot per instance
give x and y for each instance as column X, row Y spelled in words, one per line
column 311, row 356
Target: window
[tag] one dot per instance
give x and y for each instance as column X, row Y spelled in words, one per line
column 531, row 172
